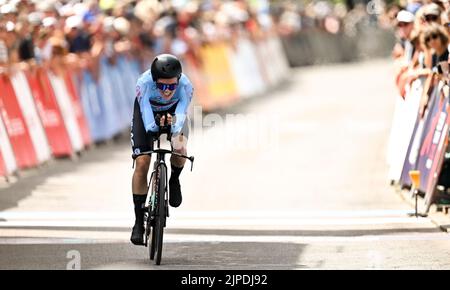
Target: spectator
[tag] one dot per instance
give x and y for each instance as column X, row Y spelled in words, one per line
column 431, row 14
column 26, row 42
column 403, row 47
column 446, row 21
column 79, row 40
column 3, row 47
column 436, row 38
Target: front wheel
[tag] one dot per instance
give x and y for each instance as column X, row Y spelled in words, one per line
column 152, row 213
column 153, row 245
column 160, row 221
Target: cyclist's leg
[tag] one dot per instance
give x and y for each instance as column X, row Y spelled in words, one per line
column 140, row 142
column 179, row 145
column 179, row 142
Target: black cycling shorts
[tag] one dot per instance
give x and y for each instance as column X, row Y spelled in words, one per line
column 142, row 141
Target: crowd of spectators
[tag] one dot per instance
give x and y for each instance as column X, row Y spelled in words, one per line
column 78, row 32
column 422, row 49
column 334, row 17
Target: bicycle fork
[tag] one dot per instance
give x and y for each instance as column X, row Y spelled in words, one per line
column 165, row 197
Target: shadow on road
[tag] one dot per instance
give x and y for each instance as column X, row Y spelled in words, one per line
column 198, row 255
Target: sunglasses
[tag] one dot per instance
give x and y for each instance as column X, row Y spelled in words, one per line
column 432, row 36
column 403, row 24
column 429, row 18
column 163, row 87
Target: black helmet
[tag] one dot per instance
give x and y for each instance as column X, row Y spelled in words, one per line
column 166, row 66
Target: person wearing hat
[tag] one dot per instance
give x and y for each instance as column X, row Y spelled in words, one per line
column 431, row 13
column 9, row 12
column 78, row 39
column 404, row 49
column 405, row 25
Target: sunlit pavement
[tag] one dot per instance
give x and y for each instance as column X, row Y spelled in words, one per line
column 296, row 180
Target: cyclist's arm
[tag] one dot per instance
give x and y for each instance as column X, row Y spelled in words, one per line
column 182, row 107
column 146, row 109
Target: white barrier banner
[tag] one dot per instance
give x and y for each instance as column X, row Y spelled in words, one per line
column 246, row 69
column 395, row 127
column 403, row 129
column 265, row 61
column 273, row 60
column 121, row 96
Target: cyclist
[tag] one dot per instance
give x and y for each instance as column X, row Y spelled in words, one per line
column 161, row 91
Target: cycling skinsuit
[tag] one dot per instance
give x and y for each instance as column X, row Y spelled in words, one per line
column 149, row 103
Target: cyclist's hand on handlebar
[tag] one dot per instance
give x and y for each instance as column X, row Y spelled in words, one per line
column 162, row 120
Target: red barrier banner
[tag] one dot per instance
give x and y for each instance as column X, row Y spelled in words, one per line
column 78, row 109
column 2, row 166
column 18, row 133
column 49, row 113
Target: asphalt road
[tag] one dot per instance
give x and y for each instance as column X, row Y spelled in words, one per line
column 296, row 179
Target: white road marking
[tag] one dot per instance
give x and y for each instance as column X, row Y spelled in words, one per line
column 211, row 219
column 185, row 238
